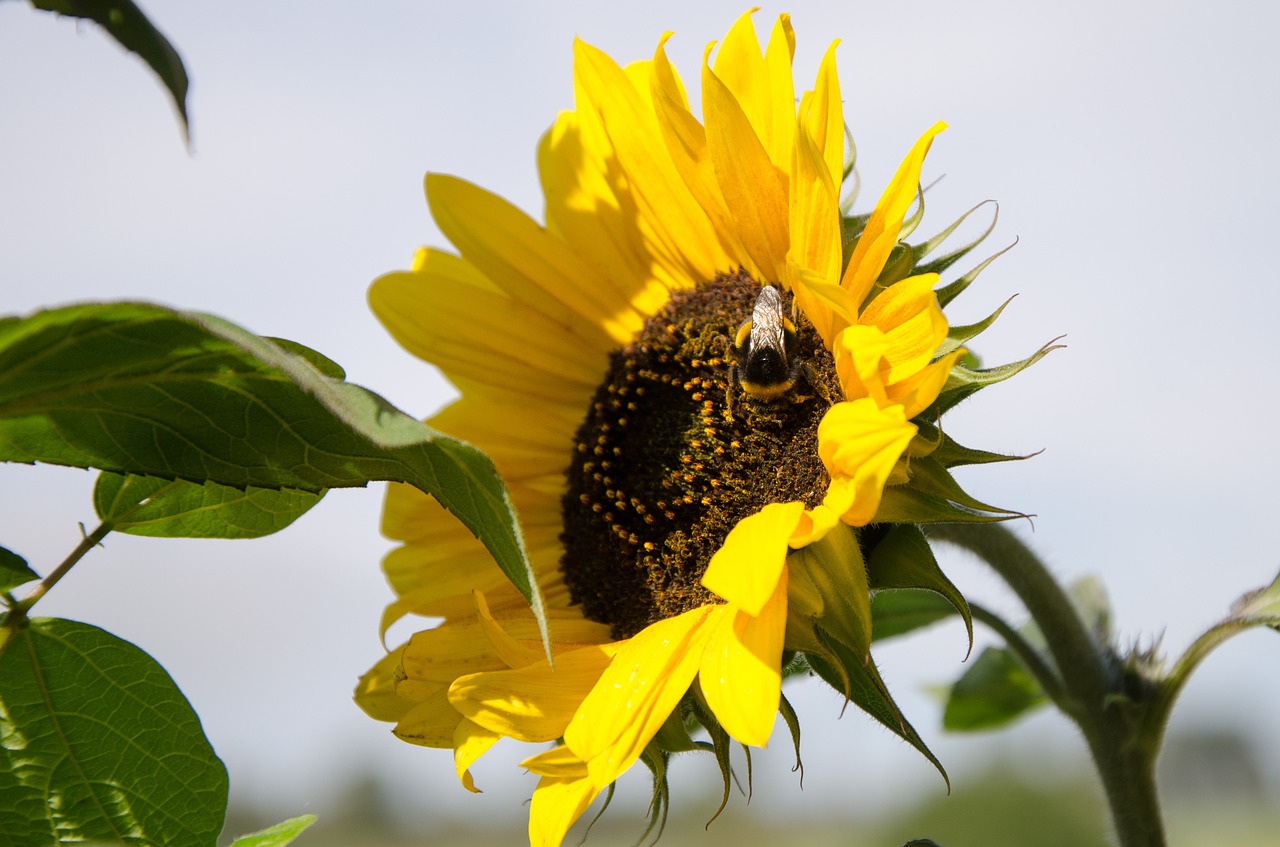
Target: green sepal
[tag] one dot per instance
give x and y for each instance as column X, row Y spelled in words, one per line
column 140, row 389
column 954, row 289
column 95, row 722
column 914, row 217
column 828, row 588
column 995, row 690
column 944, row 262
column 904, row 559
column 175, row 508
column 964, row 381
column 659, row 801
column 850, row 173
column 958, row 335
column 854, row 675
column 1258, row 608
column 720, row 744
column 950, row 453
column 933, row 496
column 275, row 836
column 792, row 720
column 126, row 23
column 675, row 734
column 14, row 570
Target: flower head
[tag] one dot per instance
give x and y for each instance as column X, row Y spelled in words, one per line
column 701, row 382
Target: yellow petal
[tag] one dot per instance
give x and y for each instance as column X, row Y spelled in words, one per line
column 754, row 188
column 916, row 392
column 430, row 723
column 453, row 327
column 821, row 115
column 859, row 354
column 637, row 693
column 530, row 264
column 534, row 703
column 686, row 142
column 376, row 691
column 860, row 443
column 741, row 673
column 678, row 228
column 814, row 524
column 908, row 314
column 815, row 213
column 557, row 803
column 470, row 742
column 746, row 568
column 513, row 653
column 881, row 232
column 588, row 209
column 558, row 761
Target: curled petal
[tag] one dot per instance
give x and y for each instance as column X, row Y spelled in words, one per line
column 860, row 443
column 746, row 568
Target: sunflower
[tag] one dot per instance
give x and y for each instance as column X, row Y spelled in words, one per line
column 700, row 381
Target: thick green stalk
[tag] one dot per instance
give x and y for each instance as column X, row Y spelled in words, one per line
column 1092, row 684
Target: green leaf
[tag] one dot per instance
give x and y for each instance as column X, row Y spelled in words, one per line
column 175, row 508
column 99, row 745
column 14, row 570
column 897, row 612
column 991, row 693
column 140, row 389
column 126, row 23
column 276, row 836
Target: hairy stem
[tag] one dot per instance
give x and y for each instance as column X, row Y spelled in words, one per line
column 86, row 544
column 1092, row 694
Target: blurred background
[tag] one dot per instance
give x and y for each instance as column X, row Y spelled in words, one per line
column 1132, row 150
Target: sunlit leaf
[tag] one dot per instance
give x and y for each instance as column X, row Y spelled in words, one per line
column 136, row 388
column 175, row 508
column 14, row 570
column 97, row 744
column 276, row 836
column 995, row 690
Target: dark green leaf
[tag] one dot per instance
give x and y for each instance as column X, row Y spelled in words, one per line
column 126, row 23
column 902, row 611
column 140, row 389
column 993, row 692
column 276, row 836
column 100, row 745
column 175, row 508
column 14, row 570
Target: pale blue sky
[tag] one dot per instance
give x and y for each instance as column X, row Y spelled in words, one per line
column 1132, row 148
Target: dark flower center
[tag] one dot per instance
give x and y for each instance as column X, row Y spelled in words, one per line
column 665, row 464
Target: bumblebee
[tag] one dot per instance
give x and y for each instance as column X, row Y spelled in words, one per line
column 765, row 362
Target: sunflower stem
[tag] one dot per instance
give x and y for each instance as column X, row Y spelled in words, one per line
column 1091, row 682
